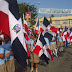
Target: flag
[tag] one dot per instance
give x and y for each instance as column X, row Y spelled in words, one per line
column 41, row 30
column 26, row 35
column 48, row 30
column 26, row 26
column 37, row 26
column 65, row 36
column 70, row 36
column 68, row 33
column 42, row 49
column 27, row 30
column 4, row 23
column 10, row 20
column 46, row 25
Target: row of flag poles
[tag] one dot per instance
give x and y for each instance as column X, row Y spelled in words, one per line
column 11, row 25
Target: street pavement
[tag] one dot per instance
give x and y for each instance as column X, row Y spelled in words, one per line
column 61, row 64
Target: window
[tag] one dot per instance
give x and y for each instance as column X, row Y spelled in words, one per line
column 57, row 23
column 65, row 22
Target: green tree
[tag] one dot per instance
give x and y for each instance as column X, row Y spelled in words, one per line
column 25, row 7
column 52, row 15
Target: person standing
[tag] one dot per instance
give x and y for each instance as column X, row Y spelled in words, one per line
column 53, row 46
column 9, row 58
column 2, row 60
column 34, row 58
column 60, row 42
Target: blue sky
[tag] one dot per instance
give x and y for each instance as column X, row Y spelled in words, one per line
column 60, row 4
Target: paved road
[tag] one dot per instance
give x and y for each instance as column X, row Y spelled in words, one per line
column 61, row 64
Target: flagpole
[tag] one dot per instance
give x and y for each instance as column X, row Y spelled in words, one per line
column 23, row 19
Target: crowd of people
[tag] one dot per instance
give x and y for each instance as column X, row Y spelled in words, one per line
column 6, row 55
column 7, row 60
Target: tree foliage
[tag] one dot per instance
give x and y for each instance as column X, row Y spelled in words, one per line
column 52, row 15
column 25, row 7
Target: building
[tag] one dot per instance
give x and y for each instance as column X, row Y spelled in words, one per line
column 59, row 22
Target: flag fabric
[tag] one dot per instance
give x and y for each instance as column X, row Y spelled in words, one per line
column 26, row 35
column 70, row 36
column 41, row 30
column 37, row 26
column 25, row 30
column 10, row 20
column 46, row 25
column 4, row 23
column 42, row 49
column 26, row 26
column 48, row 34
column 48, row 30
column 68, row 33
column 65, row 36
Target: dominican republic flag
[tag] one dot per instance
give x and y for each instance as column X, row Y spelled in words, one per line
column 42, row 49
column 26, row 35
column 68, row 33
column 49, row 29
column 26, row 26
column 48, row 34
column 46, row 25
column 11, row 24
column 37, row 26
column 27, row 30
column 70, row 36
column 41, row 30
column 4, row 22
column 65, row 36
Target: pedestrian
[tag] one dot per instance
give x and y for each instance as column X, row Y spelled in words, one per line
column 2, row 59
column 9, row 58
column 60, row 42
column 34, row 58
column 53, row 46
